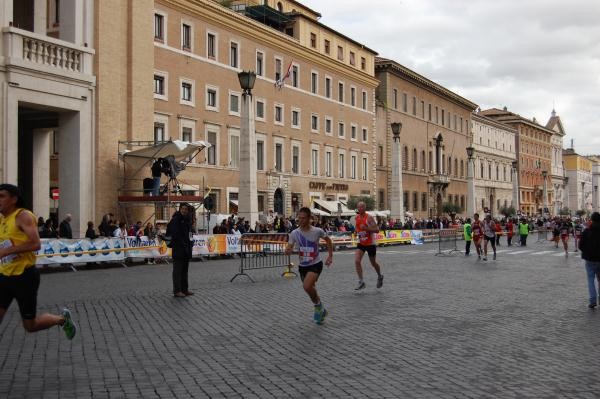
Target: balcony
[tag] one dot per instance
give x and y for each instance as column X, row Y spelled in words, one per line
column 439, row 179
column 24, row 49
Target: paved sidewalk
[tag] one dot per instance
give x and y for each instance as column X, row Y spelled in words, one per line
column 441, row 327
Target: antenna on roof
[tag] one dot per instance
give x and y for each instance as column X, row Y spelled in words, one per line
column 572, row 141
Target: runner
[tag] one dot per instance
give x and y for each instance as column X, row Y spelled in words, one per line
column 509, row 232
column 565, row 230
column 19, row 278
column 366, row 227
column 477, row 229
column 306, row 237
column 577, row 231
column 489, row 235
column 556, row 231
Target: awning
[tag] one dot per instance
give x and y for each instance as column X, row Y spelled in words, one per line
column 318, row 212
column 335, row 208
column 180, row 150
column 233, row 202
column 379, row 213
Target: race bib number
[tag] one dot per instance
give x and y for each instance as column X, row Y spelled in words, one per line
column 307, row 254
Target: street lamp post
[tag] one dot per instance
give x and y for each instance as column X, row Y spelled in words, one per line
column 397, row 198
column 595, row 199
column 470, row 181
column 545, row 194
column 248, row 198
column 515, row 181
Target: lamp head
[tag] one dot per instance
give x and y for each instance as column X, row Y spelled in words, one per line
column 247, row 79
column 396, row 128
column 470, row 152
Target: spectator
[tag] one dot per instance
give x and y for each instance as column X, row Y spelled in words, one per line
column 178, row 230
column 121, row 231
column 149, row 231
column 64, row 230
column 48, row 230
column 90, row 232
column 589, row 244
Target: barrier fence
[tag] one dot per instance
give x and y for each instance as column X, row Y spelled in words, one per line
column 448, row 241
column 542, row 234
column 263, row 251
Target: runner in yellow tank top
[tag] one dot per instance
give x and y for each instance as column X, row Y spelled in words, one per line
column 19, row 278
column 366, row 227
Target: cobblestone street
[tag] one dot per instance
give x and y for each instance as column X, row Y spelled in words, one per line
column 441, row 327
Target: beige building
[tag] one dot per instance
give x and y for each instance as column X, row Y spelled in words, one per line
column 435, row 133
column 579, row 171
column 315, row 134
column 557, row 174
column 495, row 151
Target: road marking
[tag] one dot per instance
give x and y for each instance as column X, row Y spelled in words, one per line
column 520, row 252
column 542, row 252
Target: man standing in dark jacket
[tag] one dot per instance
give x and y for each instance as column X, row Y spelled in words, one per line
column 589, row 244
column 179, row 229
column 64, row 229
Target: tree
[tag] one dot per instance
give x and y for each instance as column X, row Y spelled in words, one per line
column 581, row 212
column 564, row 211
column 451, row 209
column 508, row 211
column 368, row 200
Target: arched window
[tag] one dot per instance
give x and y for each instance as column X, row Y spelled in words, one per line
column 481, row 171
column 279, row 6
column 462, row 168
column 490, row 170
column 415, row 160
column 423, row 162
column 430, row 161
column 497, row 172
column 405, row 158
column 456, row 167
column 449, row 166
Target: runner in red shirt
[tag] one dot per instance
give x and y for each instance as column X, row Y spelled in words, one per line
column 366, row 227
column 477, row 229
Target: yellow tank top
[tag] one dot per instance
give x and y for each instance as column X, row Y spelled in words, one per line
column 11, row 235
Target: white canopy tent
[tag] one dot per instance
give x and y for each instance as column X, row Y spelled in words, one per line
column 182, row 151
column 334, row 208
column 319, row 212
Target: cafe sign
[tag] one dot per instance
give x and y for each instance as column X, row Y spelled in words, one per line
column 315, row 185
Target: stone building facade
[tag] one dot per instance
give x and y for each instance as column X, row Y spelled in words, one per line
column 435, row 132
column 579, row 173
column 557, row 174
column 495, row 151
column 534, row 158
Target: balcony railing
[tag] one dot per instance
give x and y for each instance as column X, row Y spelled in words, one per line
column 31, row 50
column 439, row 179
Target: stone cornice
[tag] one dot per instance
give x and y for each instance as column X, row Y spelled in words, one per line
column 489, row 121
column 419, row 80
column 242, row 25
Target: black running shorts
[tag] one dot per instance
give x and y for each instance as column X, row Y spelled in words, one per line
column 369, row 249
column 24, row 289
column 488, row 238
column 316, row 268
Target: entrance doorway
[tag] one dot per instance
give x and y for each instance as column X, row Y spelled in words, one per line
column 278, row 202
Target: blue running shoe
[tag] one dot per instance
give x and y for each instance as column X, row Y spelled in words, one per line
column 68, row 326
column 317, row 314
column 323, row 314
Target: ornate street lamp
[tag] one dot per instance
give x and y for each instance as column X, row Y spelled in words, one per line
column 470, row 181
column 470, row 152
column 247, row 79
column 396, row 128
column 515, row 164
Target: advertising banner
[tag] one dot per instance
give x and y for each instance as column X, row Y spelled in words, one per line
column 56, row 251
column 416, row 237
column 144, row 247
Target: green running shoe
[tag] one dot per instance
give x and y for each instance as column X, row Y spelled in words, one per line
column 68, row 326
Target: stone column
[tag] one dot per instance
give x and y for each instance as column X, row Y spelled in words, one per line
column 10, row 130
column 40, row 10
column 397, row 195
column 6, row 13
column 248, row 196
column 76, row 22
column 545, row 194
column 515, row 193
column 75, row 171
column 41, row 172
column 471, row 187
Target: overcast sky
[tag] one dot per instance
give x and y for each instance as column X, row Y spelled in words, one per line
column 528, row 55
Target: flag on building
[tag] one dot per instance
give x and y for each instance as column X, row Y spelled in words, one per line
column 281, row 81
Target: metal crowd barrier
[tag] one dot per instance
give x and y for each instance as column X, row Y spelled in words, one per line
column 542, row 234
column 447, row 240
column 263, row 251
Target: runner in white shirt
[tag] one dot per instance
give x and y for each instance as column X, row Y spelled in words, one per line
column 489, row 235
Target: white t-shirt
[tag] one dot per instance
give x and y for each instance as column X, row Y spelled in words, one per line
column 308, row 245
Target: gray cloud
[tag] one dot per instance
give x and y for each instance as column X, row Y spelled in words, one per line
column 527, row 55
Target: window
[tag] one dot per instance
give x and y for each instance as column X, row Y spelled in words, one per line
column 422, row 109
column 260, row 109
column 341, row 92
column 211, row 152
column 295, row 159
column 314, row 82
column 313, row 40
column 328, row 163
column 352, row 58
column 260, row 155
column 363, row 63
column 353, row 132
column 314, row 162
column 159, row 132
column 404, row 102
column 234, row 150
column 327, row 46
column 380, row 155
column 187, row 135
column 278, row 157
column 234, row 104
column 365, row 135
column 328, row 123
column 295, row 118
column 186, row 37
column 187, row 92
column 211, row 45
column 159, row 85
column 314, row 123
column 341, row 165
column 423, row 201
column 406, row 203
column 159, row 27
column 295, row 76
column 353, row 96
column 340, row 53
column 233, row 54
column 443, row 117
column 259, row 63
column 278, row 114
column 415, row 162
column 341, row 130
column 415, row 201
column 395, row 99
column 353, row 166
column 328, row 87
column 429, row 113
column 211, row 99
column 277, row 69
column 364, row 100
column 414, row 106
column 365, row 167
column 437, row 115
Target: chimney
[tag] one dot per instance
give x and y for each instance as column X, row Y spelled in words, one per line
column 505, row 109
